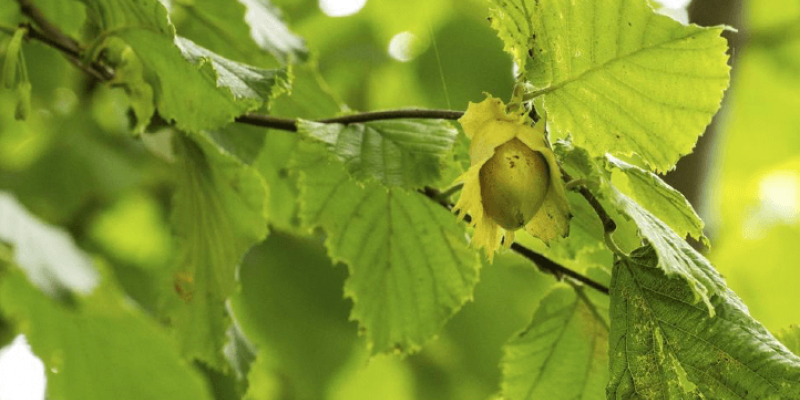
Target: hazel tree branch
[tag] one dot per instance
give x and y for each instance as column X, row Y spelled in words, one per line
column 52, row 36
column 287, row 124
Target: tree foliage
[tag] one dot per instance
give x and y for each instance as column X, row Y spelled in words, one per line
column 187, row 210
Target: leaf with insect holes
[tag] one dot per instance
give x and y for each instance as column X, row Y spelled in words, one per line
column 616, row 76
column 665, row 346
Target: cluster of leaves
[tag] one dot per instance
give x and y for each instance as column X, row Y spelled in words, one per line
column 616, row 81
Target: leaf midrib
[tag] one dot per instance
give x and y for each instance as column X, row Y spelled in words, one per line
column 604, row 65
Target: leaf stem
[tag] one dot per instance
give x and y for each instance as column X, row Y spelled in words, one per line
column 609, row 226
column 444, row 196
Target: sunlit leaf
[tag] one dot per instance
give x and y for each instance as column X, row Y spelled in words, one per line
column 245, row 82
column 410, row 269
column 248, row 31
column 621, row 79
column 665, row 346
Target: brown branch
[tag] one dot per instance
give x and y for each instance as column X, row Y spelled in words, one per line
column 53, row 37
column 96, row 70
column 51, row 31
column 286, row 124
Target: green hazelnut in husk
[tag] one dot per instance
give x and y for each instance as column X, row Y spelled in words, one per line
column 513, row 182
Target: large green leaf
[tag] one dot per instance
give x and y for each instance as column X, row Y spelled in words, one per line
column 563, row 353
column 47, row 254
column 410, row 269
column 193, row 87
column 219, row 211
column 663, row 346
column 621, row 79
column 406, row 153
column 99, row 348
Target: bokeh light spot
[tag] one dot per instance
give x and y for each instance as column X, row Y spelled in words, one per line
column 405, row 46
column 779, row 192
column 341, row 8
column 21, row 372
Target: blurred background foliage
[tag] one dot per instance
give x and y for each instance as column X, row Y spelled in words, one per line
column 75, row 164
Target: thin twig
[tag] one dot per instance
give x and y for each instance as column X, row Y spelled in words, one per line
column 394, row 114
column 52, row 36
column 96, row 70
column 286, row 124
column 557, row 269
column 609, row 226
column 28, row 9
column 268, row 121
